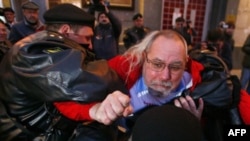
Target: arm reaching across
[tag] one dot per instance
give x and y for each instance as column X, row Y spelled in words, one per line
column 114, row 105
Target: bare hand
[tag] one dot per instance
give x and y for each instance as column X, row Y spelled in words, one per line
column 102, row 2
column 115, row 105
column 189, row 104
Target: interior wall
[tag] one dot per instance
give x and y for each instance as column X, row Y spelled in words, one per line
column 242, row 29
column 153, row 14
column 16, row 5
column 242, row 22
column 42, row 7
column 217, row 13
column 194, row 10
column 150, row 9
column 231, row 11
column 125, row 16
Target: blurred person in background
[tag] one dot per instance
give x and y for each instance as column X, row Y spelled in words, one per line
column 29, row 25
column 49, row 66
column 136, row 33
column 9, row 15
column 5, row 44
column 185, row 29
column 106, row 32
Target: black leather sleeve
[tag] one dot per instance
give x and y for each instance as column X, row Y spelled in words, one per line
column 51, row 69
column 55, row 71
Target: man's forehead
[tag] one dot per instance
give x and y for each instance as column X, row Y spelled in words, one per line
column 138, row 19
column 167, row 45
column 85, row 30
column 168, row 40
column 178, row 23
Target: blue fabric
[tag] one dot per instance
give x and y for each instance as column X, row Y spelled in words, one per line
column 140, row 97
column 19, row 31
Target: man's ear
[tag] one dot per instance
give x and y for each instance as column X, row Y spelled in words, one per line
column 64, row 29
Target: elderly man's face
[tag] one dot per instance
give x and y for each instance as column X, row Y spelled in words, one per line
column 31, row 16
column 164, row 65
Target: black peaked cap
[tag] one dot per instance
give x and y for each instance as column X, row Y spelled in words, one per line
column 136, row 16
column 68, row 13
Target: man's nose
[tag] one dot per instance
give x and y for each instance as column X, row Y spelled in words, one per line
column 165, row 73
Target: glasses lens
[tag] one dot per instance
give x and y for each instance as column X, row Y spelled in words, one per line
column 175, row 68
column 159, row 66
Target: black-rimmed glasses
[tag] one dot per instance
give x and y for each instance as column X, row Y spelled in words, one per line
column 158, row 65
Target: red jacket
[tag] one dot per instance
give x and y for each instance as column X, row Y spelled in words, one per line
column 244, row 107
column 80, row 112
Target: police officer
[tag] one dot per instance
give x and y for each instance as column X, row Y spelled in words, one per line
column 136, row 33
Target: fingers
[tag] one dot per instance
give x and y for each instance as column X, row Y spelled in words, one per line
column 177, row 103
column 97, row 113
column 189, row 104
column 185, row 102
column 124, row 99
column 128, row 111
column 115, row 105
column 119, row 103
column 201, row 105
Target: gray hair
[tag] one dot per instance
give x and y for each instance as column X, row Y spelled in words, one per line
column 135, row 53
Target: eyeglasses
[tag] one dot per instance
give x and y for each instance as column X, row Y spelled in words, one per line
column 158, row 66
